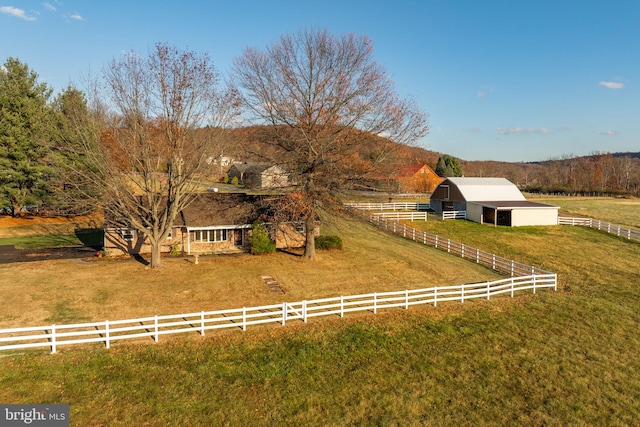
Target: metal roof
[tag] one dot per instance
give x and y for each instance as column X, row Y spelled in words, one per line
column 479, row 189
column 502, row 204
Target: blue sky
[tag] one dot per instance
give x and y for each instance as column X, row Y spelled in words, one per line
column 512, row 80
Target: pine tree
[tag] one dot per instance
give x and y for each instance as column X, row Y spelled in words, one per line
column 25, row 120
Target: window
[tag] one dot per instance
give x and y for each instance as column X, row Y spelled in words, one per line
column 127, row 234
column 445, row 192
column 207, row 236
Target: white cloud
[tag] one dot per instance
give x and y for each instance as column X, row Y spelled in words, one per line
column 612, row 85
column 484, row 91
column 49, row 6
column 607, row 132
column 77, row 17
column 526, row 131
column 18, row 13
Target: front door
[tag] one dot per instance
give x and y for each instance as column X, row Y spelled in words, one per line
column 237, row 237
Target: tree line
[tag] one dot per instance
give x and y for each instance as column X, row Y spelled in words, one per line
column 599, row 173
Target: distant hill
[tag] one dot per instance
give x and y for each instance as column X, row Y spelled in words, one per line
column 611, row 173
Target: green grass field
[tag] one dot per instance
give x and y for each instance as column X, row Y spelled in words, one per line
column 557, row 358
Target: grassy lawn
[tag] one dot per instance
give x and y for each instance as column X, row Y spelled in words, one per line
column 615, row 210
column 81, row 291
column 557, row 358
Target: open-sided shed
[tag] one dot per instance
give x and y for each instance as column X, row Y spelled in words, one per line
column 491, row 200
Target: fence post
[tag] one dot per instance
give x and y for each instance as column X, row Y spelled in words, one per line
column 555, row 282
column 375, row 301
column 284, row 313
column 202, row 323
column 244, row 318
column 406, row 299
column 53, row 338
column 304, row 311
column 424, row 237
column 511, row 286
column 462, row 250
column 493, row 261
column 435, row 296
column 477, row 256
column 448, row 245
column 534, row 284
column 155, row 322
column 512, row 267
column 106, row 334
column 462, row 293
column 488, row 289
column 341, row 306
column 436, row 241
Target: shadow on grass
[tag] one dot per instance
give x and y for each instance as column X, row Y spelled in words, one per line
column 90, row 237
column 139, row 258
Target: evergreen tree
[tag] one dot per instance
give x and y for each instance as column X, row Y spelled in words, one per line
column 448, row 166
column 25, row 120
column 75, row 128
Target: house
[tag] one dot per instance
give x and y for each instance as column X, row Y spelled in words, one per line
column 418, row 178
column 495, row 201
column 259, row 175
column 212, row 223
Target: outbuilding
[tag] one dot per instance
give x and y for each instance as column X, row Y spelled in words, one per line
column 494, row 201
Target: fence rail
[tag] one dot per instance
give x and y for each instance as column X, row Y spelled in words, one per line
column 618, row 230
column 486, row 259
column 389, row 206
column 107, row 332
column 454, row 214
column 410, row 216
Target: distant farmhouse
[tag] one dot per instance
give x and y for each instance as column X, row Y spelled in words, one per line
column 418, row 178
column 259, row 175
column 213, row 223
column 494, row 201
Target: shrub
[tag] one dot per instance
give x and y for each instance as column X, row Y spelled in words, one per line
column 328, row 242
column 175, row 249
column 260, row 241
column 234, row 180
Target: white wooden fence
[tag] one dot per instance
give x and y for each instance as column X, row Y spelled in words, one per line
column 108, row 332
column 388, row 206
column 409, row 216
column 486, row 259
column 454, row 214
column 602, row 225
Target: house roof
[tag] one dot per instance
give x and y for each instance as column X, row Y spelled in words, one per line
column 213, row 209
column 252, row 167
column 479, row 189
column 411, row 170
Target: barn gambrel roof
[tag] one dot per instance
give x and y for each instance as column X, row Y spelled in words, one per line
column 483, row 189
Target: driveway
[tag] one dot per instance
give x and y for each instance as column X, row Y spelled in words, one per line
column 9, row 254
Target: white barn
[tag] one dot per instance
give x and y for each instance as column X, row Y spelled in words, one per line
column 494, row 201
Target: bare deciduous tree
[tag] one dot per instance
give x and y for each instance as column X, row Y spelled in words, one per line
column 324, row 97
column 162, row 117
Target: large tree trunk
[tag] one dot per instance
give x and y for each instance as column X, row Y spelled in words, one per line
column 155, row 255
column 310, row 242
